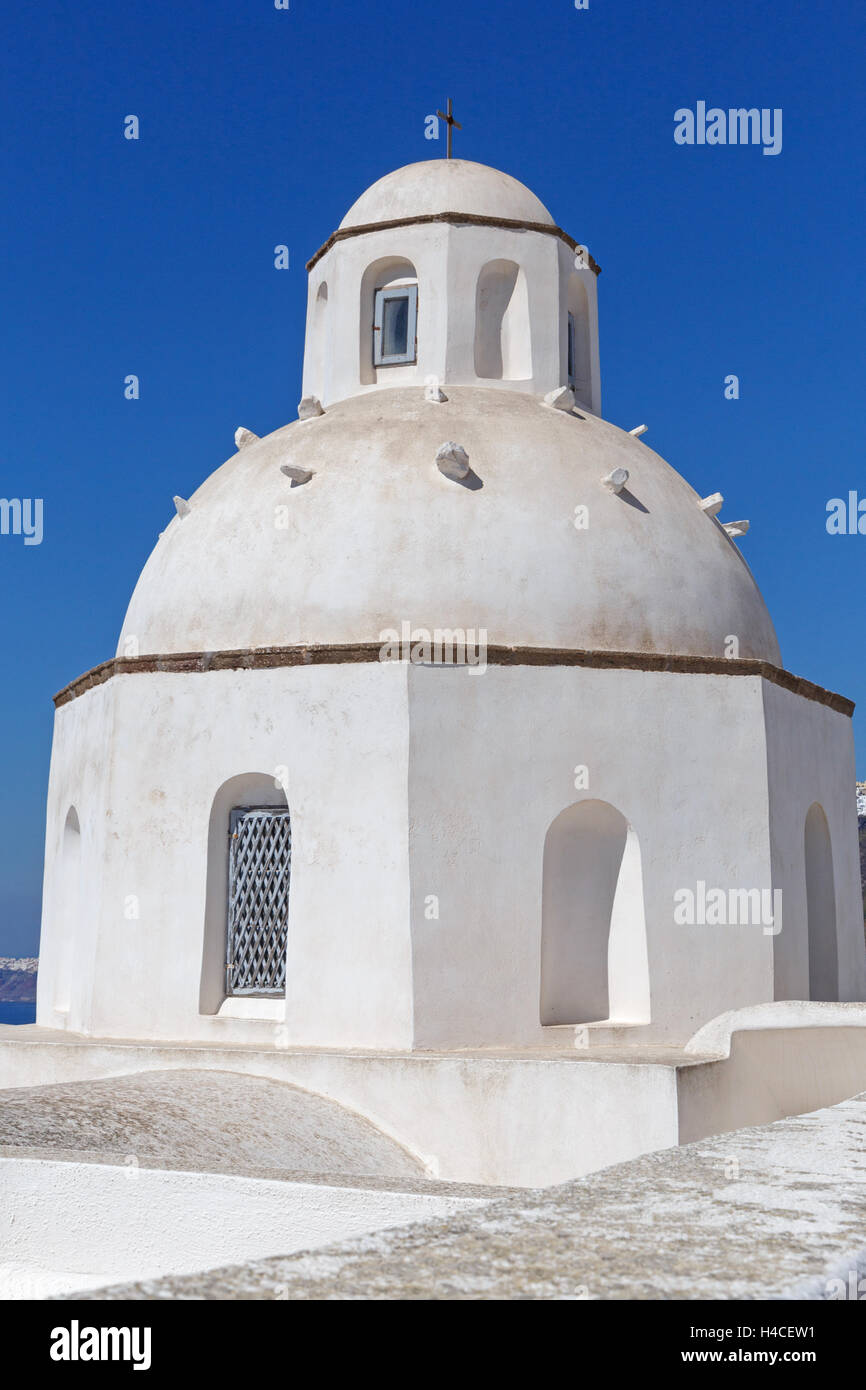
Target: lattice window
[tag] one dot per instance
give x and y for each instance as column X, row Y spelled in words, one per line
column 260, row 866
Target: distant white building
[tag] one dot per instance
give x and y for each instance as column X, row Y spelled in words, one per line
column 262, row 833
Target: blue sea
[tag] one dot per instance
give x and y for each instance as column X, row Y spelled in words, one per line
column 17, row 1012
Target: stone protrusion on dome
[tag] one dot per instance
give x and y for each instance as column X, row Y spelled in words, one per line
column 616, row 480
column 452, row 460
column 451, row 270
column 297, row 473
column 560, row 399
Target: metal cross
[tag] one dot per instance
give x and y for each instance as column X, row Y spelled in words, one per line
column 451, row 122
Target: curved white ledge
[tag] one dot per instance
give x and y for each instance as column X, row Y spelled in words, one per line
column 715, row 1036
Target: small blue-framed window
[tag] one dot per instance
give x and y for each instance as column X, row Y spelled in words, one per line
column 571, row 375
column 394, row 321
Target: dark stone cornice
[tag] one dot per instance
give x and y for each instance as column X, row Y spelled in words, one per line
column 455, row 218
column 270, row 658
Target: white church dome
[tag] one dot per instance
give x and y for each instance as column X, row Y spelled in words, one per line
column 446, row 185
column 341, row 526
column 379, row 536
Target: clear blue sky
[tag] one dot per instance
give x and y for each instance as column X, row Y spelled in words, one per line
column 260, row 127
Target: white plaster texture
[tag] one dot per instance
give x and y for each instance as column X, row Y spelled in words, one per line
column 379, row 536
column 75, row 1225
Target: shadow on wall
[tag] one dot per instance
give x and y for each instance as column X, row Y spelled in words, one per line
column 69, row 899
column 594, row 963
column 579, row 360
column 503, row 341
column 820, row 907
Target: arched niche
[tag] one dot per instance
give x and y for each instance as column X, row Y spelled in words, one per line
column 317, row 344
column 594, row 963
column 382, row 274
column 503, row 342
column 820, row 907
column 579, row 363
column 68, row 899
column 246, row 790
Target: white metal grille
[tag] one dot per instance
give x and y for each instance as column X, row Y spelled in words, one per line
column 260, row 866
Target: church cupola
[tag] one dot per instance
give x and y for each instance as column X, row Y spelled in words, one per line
column 450, row 272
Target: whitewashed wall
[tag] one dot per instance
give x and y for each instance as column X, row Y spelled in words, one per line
column 407, row 784
column 448, row 260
